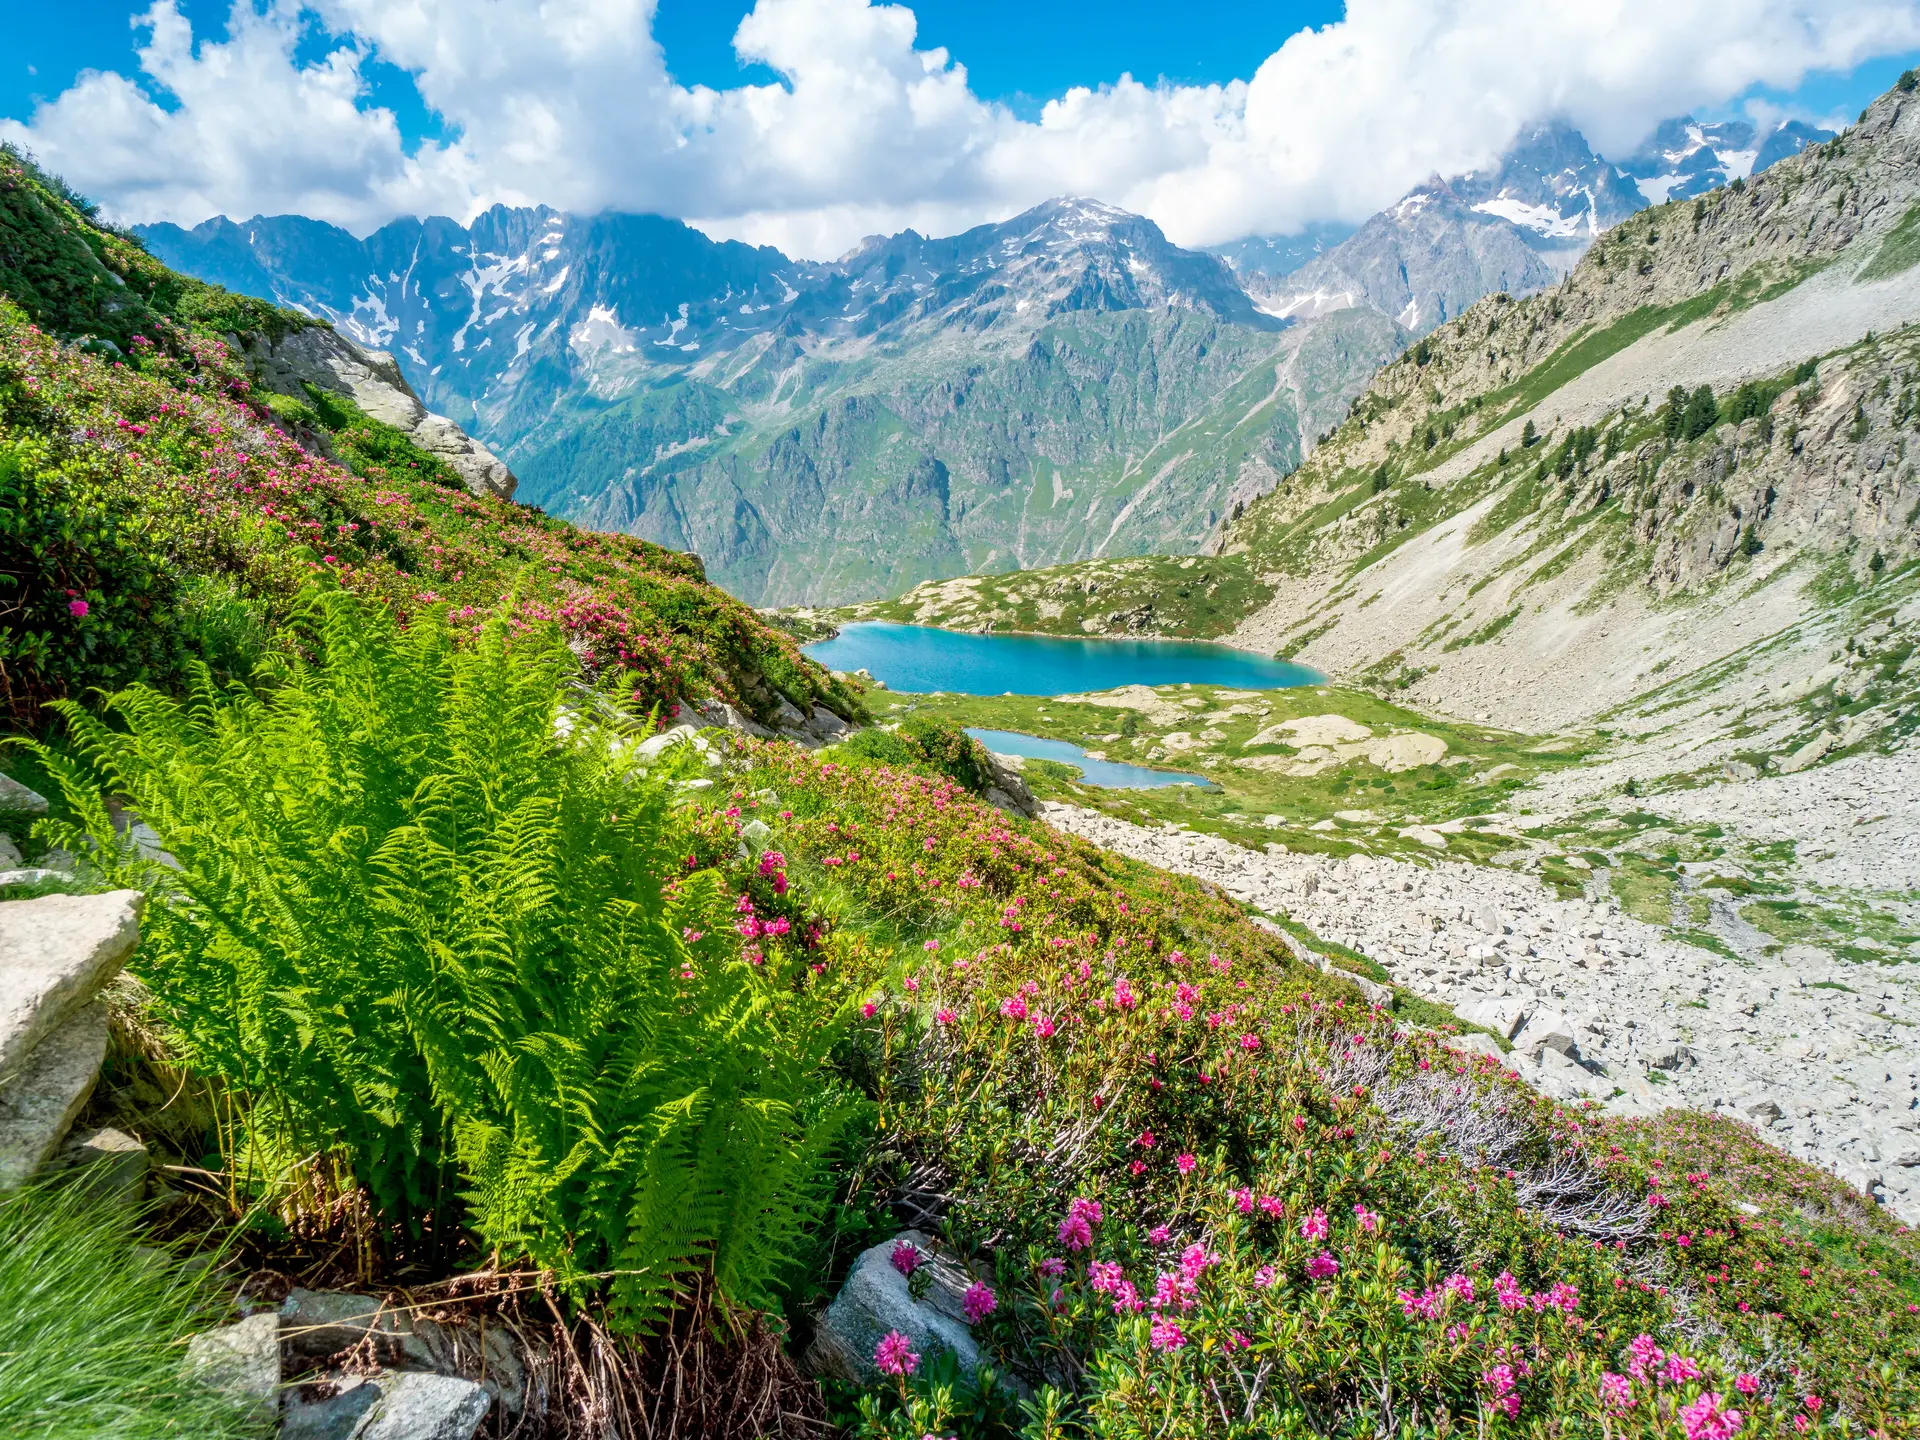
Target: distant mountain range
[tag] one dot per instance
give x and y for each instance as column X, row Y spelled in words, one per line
column 1062, row 385
column 1516, row 228
column 1685, row 158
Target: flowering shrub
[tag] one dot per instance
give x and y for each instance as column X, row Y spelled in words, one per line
column 1214, row 1193
column 139, row 472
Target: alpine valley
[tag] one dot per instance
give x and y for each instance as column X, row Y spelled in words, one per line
column 473, row 967
column 1061, row 386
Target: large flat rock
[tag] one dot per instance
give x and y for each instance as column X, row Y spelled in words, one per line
column 38, row 1105
column 55, row 954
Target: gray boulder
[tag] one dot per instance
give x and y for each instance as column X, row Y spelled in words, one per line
column 1006, row 788
column 319, row 1324
column 110, row 1163
column 39, row 1103
column 241, row 1360
column 654, row 746
column 1502, row 1014
column 371, row 379
column 55, row 954
column 17, row 799
column 402, row 1405
column 876, row 1299
column 1548, row 1030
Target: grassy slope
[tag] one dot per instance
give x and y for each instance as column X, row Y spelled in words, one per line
column 1377, row 802
column 232, row 517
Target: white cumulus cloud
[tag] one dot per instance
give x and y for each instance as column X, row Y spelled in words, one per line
column 571, row 103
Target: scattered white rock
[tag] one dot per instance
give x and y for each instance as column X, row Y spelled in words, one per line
column 55, row 954
column 1604, row 1002
column 1313, row 730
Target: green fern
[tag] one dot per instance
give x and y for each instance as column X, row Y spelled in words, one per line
column 428, row 934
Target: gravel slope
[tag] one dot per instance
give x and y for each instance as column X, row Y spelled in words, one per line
column 1821, row 1055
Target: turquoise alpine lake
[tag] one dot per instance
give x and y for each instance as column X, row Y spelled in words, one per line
column 1107, row 774
column 922, row 658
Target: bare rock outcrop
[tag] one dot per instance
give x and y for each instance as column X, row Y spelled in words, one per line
column 371, row 379
column 56, row 952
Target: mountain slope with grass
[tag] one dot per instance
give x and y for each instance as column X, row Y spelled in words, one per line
column 161, row 508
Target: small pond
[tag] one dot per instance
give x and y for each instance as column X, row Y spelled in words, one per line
column 1108, row 774
column 922, row 658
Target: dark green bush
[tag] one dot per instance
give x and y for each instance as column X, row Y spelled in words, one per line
column 924, row 741
column 86, row 593
column 950, row 750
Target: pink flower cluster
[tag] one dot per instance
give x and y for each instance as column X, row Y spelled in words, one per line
column 978, row 1303
column 1076, row 1231
column 905, row 1257
column 895, row 1355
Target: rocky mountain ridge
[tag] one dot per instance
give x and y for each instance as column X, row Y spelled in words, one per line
column 1515, row 228
column 1062, row 385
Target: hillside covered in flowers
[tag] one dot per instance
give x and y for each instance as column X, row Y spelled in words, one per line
column 473, row 991
column 154, row 508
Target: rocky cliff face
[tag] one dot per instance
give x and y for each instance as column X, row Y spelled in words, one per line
column 321, row 357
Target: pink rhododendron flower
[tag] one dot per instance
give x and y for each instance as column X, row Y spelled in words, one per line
column 978, row 1303
column 1369, row 1221
column 1171, row 1292
column 77, row 608
column 1460, row 1285
column 1680, row 1370
column 1706, row 1420
column 1562, row 1297
column 1616, row 1391
column 1185, row 1163
column 1159, row 1235
column 905, row 1256
column 1106, row 1276
column 1264, row 1277
column 1167, row 1335
column 1322, row 1267
column 1314, row 1227
column 894, row 1355
column 1195, row 1260
column 1747, row 1384
column 1642, row 1356
column 1507, row 1290
column 1076, row 1231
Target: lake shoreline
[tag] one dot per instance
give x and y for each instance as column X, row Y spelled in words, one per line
column 927, row 659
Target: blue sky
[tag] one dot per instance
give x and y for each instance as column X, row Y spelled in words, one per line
column 1018, row 52
column 837, row 121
